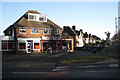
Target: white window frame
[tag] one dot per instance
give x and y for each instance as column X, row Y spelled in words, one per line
column 22, row 32
column 34, row 17
column 47, row 32
column 44, row 18
column 50, row 31
column 57, row 32
column 34, row 33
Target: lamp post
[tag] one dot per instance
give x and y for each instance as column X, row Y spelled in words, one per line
column 108, row 40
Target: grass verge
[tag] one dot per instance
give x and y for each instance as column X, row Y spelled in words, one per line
column 88, row 59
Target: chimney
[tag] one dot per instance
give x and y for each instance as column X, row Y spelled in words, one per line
column 74, row 28
column 64, row 28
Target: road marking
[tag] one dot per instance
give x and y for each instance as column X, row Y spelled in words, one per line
column 104, row 71
column 54, row 70
column 85, row 66
column 62, row 68
column 30, row 72
column 114, row 65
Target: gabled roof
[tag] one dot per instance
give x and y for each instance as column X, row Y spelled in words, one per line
column 65, row 35
column 78, row 32
column 69, row 30
column 33, row 11
column 24, row 22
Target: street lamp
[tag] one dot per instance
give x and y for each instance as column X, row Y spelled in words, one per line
column 108, row 35
column 108, row 40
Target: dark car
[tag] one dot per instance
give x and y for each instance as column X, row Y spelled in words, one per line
column 96, row 48
column 86, row 48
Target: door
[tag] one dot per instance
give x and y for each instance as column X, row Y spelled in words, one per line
column 28, row 47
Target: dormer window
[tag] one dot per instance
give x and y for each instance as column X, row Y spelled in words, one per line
column 32, row 17
column 42, row 19
column 37, row 17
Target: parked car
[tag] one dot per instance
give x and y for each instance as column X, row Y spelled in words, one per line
column 86, row 48
column 96, row 48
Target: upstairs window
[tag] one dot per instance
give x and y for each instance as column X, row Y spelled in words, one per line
column 34, row 30
column 32, row 17
column 50, row 31
column 42, row 19
column 57, row 32
column 22, row 30
column 46, row 31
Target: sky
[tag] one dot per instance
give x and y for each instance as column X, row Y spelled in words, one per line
column 95, row 18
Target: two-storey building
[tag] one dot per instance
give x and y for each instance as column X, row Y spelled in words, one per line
column 34, row 32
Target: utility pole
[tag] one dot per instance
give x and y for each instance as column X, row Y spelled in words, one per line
column 116, row 25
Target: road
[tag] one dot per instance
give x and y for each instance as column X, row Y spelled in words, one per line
column 96, row 70
column 33, row 65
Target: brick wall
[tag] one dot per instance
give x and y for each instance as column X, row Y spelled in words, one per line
column 29, row 35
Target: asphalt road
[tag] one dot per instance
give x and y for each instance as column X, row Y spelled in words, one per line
column 96, row 70
column 33, row 65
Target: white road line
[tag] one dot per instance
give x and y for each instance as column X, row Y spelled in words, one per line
column 30, row 72
column 104, row 71
column 114, row 65
column 84, row 66
column 62, row 67
column 58, row 70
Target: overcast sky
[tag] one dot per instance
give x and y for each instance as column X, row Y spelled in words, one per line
column 93, row 17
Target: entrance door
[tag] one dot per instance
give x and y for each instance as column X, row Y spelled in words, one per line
column 28, row 47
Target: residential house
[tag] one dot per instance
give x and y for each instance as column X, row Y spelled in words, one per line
column 80, row 42
column 77, row 35
column 34, row 32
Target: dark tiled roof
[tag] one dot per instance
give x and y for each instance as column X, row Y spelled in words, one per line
column 65, row 35
column 24, row 22
column 69, row 30
column 78, row 32
column 33, row 11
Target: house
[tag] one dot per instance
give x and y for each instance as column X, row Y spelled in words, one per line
column 77, row 35
column 34, row 32
column 80, row 38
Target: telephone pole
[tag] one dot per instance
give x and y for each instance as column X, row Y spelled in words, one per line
column 116, row 25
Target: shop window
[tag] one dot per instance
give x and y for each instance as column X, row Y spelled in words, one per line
column 22, row 45
column 10, row 45
column 36, row 45
column 7, row 45
column 4, row 46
